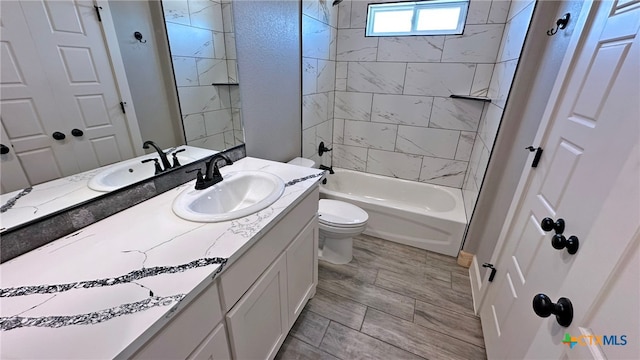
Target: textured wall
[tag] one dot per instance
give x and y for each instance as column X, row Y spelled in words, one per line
column 269, row 68
column 393, row 115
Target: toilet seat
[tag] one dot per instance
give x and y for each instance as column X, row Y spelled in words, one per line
column 340, row 214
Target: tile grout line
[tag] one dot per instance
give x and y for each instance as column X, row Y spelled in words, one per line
column 386, row 342
column 451, row 336
column 373, row 307
column 395, row 292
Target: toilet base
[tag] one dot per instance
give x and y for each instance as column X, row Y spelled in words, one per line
column 336, row 250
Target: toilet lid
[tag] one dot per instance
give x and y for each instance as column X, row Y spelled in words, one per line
column 340, row 213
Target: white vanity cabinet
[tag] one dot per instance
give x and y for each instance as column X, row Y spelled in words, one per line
column 215, row 346
column 249, row 309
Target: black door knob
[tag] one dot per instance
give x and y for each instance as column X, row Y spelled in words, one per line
column 559, row 242
column 77, row 132
column 4, row 149
column 58, row 135
column 563, row 310
column 547, row 224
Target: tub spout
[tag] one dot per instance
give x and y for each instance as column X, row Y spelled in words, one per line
column 330, row 168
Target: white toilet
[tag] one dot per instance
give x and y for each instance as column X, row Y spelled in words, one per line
column 339, row 222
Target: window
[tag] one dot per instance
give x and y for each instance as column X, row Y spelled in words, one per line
column 432, row 17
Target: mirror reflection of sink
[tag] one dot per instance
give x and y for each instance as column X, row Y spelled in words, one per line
column 240, row 194
column 131, row 171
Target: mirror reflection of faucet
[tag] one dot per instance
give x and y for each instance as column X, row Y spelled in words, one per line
column 156, row 163
column 166, row 165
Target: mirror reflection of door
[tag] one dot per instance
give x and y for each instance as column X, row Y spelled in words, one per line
column 202, row 44
column 44, row 101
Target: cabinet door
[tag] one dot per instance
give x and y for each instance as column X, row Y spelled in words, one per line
column 302, row 269
column 215, row 346
column 188, row 328
column 258, row 323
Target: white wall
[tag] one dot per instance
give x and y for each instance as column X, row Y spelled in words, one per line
column 268, row 43
column 158, row 117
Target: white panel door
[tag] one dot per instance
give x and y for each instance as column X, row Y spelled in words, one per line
column 592, row 129
column 68, row 34
column 28, row 109
column 605, row 292
column 12, row 176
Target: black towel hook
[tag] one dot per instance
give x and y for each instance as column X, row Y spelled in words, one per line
column 560, row 24
column 138, row 36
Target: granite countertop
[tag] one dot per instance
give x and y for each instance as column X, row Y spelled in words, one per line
column 51, row 196
column 103, row 291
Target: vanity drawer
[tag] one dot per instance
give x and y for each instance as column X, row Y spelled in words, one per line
column 240, row 276
column 187, row 330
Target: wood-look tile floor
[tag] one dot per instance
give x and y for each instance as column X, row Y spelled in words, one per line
column 391, row 302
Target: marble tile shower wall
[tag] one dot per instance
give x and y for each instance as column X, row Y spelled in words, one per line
column 202, row 41
column 518, row 20
column 319, row 31
column 393, row 115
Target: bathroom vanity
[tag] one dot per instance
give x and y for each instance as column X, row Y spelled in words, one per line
column 145, row 283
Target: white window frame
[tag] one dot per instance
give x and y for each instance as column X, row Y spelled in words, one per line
column 416, row 6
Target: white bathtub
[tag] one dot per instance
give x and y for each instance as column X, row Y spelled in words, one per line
column 426, row 216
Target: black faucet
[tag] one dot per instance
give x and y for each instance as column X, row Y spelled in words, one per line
column 163, row 157
column 212, row 174
column 330, row 168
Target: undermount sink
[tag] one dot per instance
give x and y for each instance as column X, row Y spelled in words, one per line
column 240, row 194
column 128, row 172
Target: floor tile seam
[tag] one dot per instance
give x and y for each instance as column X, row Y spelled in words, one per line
column 344, row 297
column 415, row 298
column 397, row 272
column 396, row 262
column 385, row 251
column 336, row 321
column 325, row 330
column 450, row 335
column 355, row 277
column 398, row 246
column 474, row 317
column 386, row 342
column 457, row 292
column 419, row 355
column 371, row 306
column 444, row 268
column 316, row 347
column 374, row 285
column 423, row 276
column 319, row 347
column 366, row 305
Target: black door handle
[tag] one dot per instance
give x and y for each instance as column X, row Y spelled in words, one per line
column 58, row 135
column 559, row 242
column 77, row 132
column 563, row 310
column 4, row 149
column 547, row 224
